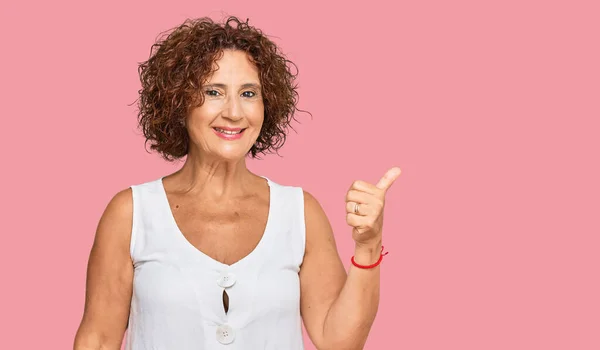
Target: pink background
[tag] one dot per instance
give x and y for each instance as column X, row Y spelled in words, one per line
column 491, row 109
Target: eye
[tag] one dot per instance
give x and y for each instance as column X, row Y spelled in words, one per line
column 212, row 92
column 248, row 94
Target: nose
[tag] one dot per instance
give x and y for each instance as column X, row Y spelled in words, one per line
column 233, row 109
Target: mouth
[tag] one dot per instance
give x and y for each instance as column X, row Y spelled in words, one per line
column 229, row 134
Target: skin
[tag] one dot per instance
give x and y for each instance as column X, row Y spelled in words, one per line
column 215, row 185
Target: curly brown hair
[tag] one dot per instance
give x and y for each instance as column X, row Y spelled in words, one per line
column 183, row 58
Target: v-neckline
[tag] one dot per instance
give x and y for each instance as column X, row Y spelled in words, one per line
column 194, row 250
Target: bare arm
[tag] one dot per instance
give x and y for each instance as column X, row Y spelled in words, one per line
column 338, row 309
column 109, row 279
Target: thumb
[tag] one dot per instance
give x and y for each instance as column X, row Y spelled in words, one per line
column 388, row 179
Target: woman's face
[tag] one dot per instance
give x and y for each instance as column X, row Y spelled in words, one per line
column 228, row 123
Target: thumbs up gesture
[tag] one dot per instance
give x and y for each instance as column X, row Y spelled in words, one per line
column 364, row 207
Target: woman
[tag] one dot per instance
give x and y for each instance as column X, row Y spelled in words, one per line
column 214, row 256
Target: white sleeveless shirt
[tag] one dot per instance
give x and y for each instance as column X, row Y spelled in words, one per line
column 177, row 301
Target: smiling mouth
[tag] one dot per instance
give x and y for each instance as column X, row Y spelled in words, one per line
column 229, row 132
column 229, row 135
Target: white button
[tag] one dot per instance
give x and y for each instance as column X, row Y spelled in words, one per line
column 226, row 280
column 225, row 334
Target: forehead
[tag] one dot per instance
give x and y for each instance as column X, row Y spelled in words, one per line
column 234, row 65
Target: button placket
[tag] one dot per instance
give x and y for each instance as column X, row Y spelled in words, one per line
column 225, row 333
column 226, row 280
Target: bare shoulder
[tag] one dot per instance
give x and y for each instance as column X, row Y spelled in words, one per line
column 319, row 233
column 114, row 228
column 118, row 213
column 318, row 227
column 113, row 233
column 312, row 208
column 120, row 205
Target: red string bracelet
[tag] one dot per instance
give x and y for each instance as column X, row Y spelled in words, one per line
column 373, row 265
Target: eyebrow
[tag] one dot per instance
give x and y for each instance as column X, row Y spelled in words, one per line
column 244, row 86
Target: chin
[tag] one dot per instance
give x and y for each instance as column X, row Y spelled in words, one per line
column 232, row 154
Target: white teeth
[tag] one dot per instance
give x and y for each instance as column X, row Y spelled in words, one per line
column 228, row 132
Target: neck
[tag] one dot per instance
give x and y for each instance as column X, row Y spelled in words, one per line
column 216, row 179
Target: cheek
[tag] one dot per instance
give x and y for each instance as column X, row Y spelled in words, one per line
column 196, row 123
column 256, row 115
column 207, row 111
column 259, row 121
column 197, row 116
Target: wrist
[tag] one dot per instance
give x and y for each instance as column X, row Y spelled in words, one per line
column 367, row 253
